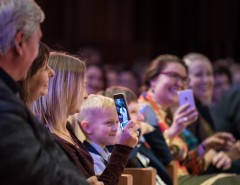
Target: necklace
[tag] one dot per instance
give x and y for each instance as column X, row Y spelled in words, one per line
column 73, row 142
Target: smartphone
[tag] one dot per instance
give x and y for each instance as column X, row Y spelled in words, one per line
column 122, row 110
column 186, row 96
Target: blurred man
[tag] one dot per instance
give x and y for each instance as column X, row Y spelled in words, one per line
column 28, row 155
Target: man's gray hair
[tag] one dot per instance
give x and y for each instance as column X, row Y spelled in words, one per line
column 15, row 16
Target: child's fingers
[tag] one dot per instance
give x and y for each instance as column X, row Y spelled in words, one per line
column 131, row 125
column 135, row 128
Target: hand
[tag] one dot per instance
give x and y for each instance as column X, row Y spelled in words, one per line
column 221, row 160
column 236, row 146
column 94, row 181
column 234, row 153
column 220, row 140
column 129, row 135
column 184, row 116
column 146, row 128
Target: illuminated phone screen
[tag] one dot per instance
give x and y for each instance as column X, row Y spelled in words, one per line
column 122, row 110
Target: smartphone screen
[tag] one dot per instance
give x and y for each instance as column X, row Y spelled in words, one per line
column 186, row 96
column 122, row 109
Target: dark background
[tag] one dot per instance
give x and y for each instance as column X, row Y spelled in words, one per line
column 126, row 31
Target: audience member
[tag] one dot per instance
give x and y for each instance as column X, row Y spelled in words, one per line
column 201, row 75
column 201, row 81
column 228, row 119
column 111, row 75
column 101, row 131
column 36, row 83
column 235, row 70
column 28, row 154
column 222, row 82
column 139, row 66
column 152, row 150
column 96, row 78
column 232, row 66
column 166, row 75
column 55, row 107
column 128, row 78
column 226, row 112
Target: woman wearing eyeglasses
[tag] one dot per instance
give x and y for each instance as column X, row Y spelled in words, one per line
column 166, row 75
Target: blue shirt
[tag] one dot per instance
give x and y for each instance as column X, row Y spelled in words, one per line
column 100, row 156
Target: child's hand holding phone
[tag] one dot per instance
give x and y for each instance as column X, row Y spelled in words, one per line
column 130, row 130
column 129, row 135
column 122, row 110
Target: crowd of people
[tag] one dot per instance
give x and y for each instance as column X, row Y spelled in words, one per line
column 59, row 124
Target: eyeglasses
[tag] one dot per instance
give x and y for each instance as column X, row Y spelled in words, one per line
column 176, row 77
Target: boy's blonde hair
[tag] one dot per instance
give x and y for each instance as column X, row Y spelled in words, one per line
column 93, row 105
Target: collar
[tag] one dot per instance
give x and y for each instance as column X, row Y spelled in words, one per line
column 13, row 85
column 102, row 151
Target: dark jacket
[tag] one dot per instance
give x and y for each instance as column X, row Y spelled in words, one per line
column 226, row 113
column 204, row 126
column 158, row 153
column 28, row 154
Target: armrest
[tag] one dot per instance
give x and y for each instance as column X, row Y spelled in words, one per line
column 126, row 179
column 172, row 169
column 142, row 176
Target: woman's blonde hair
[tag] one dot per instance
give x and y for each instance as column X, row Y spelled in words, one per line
column 65, row 89
column 93, row 105
column 191, row 57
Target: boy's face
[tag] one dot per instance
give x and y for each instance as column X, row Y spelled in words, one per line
column 105, row 127
column 135, row 115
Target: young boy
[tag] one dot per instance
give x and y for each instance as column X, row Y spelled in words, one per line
column 152, row 150
column 99, row 122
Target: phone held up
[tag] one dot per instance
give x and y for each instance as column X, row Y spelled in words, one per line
column 122, row 110
column 186, row 96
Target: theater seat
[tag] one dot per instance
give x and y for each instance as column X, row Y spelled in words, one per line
column 142, row 176
column 126, row 179
column 172, row 169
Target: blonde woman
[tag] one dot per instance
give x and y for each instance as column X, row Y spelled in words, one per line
column 66, row 92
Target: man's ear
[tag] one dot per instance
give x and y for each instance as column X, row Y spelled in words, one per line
column 19, row 39
column 86, row 128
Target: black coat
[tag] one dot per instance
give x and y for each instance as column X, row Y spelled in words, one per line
column 226, row 113
column 28, row 154
column 159, row 154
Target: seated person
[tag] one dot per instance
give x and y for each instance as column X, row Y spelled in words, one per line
column 152, row 150
column 39, row 73
column 165, row 76
column 222, row 82
column 54, row 108
column 99, row 122
column 29, row 154
column 207, row 83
